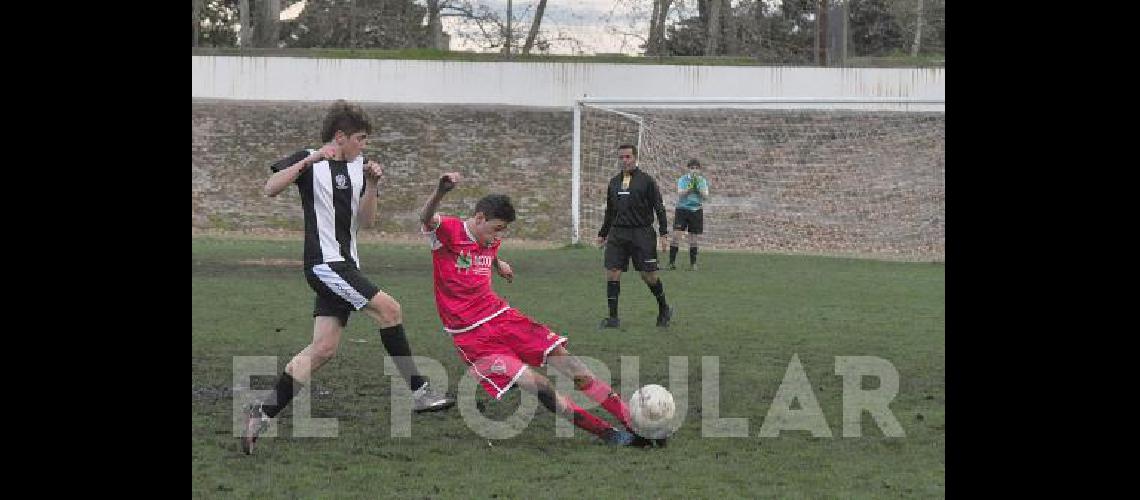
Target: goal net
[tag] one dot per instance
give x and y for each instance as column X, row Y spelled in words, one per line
column 858, row 177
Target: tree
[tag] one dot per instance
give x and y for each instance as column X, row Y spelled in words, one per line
column 711, row 16
column 749, row 28
column 244, row 35
column 796, row 31
column 917, row 32
column 656, row 43
column 923, row 22
column 534, row 27
column 382, row 24
column 730, row 34
column 214, row 23
column 197, row 20
column 686, row 38
column 267, row 24
column 821, row 33
column 874, row 29
column 435, row 25
column 489, row 29
column 753, row 28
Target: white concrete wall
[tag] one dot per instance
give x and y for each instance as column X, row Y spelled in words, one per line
column 537, row 84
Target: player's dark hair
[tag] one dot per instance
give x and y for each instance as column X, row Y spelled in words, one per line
column 694, row 163
column 496, row 206
column 630, row 147
column 346, row 117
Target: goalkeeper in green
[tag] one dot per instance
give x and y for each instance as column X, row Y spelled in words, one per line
column 689, row 217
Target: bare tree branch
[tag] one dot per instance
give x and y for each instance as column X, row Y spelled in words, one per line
column 534, row 27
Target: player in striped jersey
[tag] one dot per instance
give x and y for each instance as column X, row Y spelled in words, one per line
column 338, row 194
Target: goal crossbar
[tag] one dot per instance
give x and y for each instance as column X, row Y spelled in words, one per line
column 607, row 103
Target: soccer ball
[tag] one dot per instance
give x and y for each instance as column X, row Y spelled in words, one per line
column 651, row 411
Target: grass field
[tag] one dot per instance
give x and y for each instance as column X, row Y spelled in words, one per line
column 752, row 311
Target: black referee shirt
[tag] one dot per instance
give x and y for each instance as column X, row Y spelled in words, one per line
column 634, row 207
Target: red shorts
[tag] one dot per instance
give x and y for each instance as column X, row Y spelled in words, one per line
column 498, row 351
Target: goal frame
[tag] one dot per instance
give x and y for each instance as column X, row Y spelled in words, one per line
column 613, row 104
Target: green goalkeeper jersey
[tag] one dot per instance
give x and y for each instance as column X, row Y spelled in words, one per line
column 692, row 200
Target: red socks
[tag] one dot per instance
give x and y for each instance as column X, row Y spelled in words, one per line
column 586, row 420
column 601, row 393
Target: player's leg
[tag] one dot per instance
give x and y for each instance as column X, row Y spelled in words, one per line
column 563, row 406
column 696, row 229
column 347, row 283
column 645, row 261
column 298, row 373
column 694, row 243
column 675, row 238
column 386, row 312
column 589, row 384
column 616, row 262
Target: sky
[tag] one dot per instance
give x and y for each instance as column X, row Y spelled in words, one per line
column 599, row 26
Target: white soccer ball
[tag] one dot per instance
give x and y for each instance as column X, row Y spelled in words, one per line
column 651, row 410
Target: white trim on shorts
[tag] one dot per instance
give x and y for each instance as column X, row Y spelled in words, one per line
column 477, row 323
column 339, row 286
column 561, row 340
column 500, row 390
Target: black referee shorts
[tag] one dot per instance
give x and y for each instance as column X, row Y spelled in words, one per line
column 692, row 221
column 637, row 243
column 340, row 289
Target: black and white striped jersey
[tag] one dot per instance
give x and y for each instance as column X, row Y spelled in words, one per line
column 330, row 197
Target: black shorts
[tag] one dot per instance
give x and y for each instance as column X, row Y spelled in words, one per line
column 340, row 289
column 637, row 243
column 692, row 221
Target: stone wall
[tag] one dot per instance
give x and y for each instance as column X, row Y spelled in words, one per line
column 523, row 152
column 822, row 181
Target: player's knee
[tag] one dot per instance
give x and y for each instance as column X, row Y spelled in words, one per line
column 390, row 311
column 324, row 351
column 548, row 398
column 581, row 381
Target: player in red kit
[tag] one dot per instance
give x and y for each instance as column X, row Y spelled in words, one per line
column 496, row 341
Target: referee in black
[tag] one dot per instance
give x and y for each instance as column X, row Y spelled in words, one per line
column 627, row 231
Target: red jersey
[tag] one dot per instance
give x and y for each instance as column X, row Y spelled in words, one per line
column 462, row 275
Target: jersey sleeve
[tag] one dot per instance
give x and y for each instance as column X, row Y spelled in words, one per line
column 364, row 175
column 445, row 234
column 288, row 161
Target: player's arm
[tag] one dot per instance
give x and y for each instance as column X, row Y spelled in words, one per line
column 504, row 269
column 682, row 186
column 608, row 218
column 372, row 173
column 428, row 217
column 703, row 186
column 659, row 207
column 284, row 175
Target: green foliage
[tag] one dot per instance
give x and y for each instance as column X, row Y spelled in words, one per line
column 786, row 34
column 216, row 21
column 383, row 24
column 874, row 30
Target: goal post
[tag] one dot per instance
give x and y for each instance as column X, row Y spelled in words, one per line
column 846, row 176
